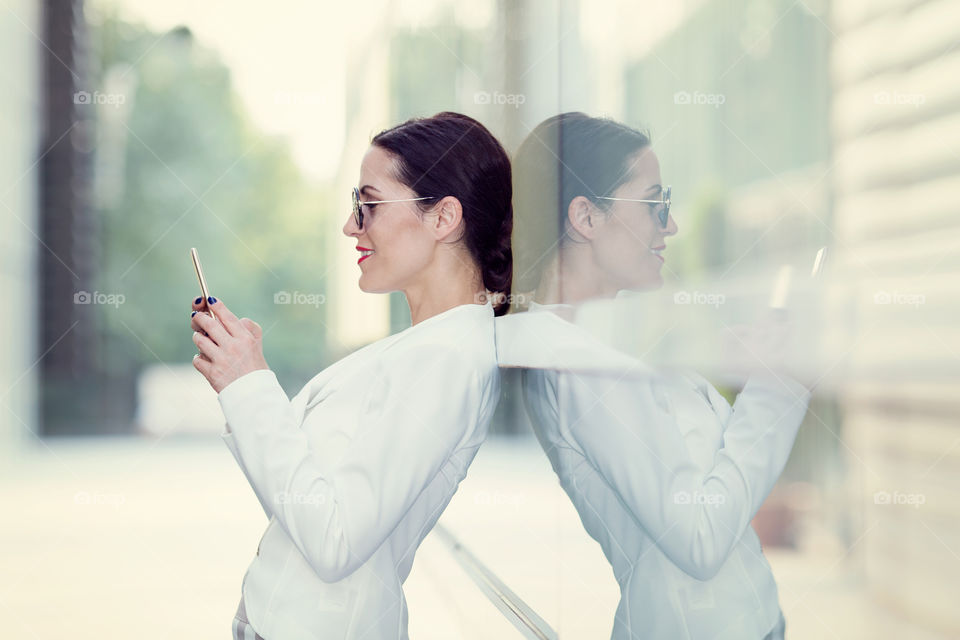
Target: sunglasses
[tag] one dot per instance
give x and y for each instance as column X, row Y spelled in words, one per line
column 358, row 205
column 662, row 212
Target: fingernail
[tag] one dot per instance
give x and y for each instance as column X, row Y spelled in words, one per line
column 193, row 314
column 198, row 300
column 211, row 300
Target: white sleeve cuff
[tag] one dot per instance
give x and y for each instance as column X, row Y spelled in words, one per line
column 246, row 384
column 243, row 388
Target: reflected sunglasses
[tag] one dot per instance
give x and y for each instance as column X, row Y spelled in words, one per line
column 358, row 205
column 662, row 212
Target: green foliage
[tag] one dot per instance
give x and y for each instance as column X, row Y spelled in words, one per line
column 193, row 172
column 701, row 245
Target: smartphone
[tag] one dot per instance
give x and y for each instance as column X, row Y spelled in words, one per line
column 203, row 283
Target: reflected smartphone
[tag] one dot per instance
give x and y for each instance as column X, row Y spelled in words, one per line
column 778, row 297
column 203, row 283
column 781, row 289
column 818, row 262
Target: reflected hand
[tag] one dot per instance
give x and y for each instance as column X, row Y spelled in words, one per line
column 761, row 347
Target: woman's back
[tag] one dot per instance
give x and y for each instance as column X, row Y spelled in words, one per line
column 658, row 599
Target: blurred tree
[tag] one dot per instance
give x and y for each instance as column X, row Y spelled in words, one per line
column 179, row 165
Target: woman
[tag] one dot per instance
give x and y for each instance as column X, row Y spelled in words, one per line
column 665, row 474
column 357, row 468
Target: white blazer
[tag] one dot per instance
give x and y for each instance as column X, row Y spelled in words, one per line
column 667, row 476
column 355, row 471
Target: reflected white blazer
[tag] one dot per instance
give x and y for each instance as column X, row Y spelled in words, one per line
column 355, row 470
column 667, row 476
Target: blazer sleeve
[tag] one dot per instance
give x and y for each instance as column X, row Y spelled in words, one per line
column 227, row 437
column 634, row 442
column 414, row 411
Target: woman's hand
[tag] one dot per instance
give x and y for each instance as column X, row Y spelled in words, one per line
column 764, row 348
column 228, row 347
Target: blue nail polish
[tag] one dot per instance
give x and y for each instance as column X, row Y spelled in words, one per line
column 198, row 300
column 211, row 300
column 193, row 314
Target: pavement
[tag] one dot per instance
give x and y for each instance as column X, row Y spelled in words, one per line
column 145, row 537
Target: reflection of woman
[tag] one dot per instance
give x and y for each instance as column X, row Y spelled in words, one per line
column 664, row 473
column 357, row 468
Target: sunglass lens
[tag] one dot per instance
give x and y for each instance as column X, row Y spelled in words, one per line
column 665, row 210
column 357, row 211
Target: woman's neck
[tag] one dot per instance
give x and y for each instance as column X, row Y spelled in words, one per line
column 571, row 276
column 459, row 284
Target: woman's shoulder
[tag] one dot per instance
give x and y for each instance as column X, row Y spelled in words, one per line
column 462, row 328
column 462, row 337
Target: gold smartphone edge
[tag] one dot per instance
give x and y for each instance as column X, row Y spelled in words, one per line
column 203, row 283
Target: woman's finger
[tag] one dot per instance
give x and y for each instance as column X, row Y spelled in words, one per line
column 202, row 364
column 205, row 345
column 202, row 322
column 225, row 316
column 252, row 327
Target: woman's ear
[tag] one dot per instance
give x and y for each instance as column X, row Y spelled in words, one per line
column 449, row 213
column 583, row 217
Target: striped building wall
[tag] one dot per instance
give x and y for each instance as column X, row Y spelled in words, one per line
column 896, row 137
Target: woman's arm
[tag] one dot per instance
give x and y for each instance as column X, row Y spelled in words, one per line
column 695, row 518
column 412, row 417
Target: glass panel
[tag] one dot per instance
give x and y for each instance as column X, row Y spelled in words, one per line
column 741, row 423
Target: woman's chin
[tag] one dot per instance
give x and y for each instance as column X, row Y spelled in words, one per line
column 369, row 286
column 648, row 282
column 364, row 284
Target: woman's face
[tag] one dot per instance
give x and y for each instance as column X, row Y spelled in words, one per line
column 630, row 242
column 394, row 232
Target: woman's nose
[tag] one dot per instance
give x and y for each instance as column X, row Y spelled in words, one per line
column 671, row 226
column 350, row 229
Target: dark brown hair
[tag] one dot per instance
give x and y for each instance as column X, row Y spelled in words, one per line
column 451, row 154
column 565, row 156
